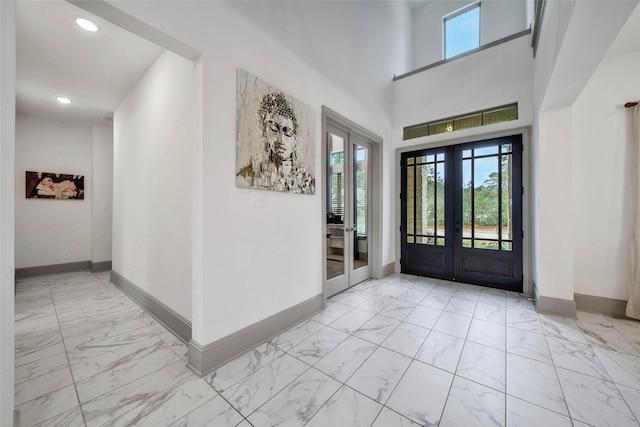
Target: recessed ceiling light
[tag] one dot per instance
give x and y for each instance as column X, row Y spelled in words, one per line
column 63, row 100
column 86, row 24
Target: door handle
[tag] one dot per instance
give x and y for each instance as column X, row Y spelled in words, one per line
column 350, row 229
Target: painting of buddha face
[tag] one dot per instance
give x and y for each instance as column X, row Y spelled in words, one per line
column 275, row 139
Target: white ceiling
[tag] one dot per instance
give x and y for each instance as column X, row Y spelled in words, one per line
column 55, row 57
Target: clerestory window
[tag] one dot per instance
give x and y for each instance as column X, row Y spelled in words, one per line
column 462, row 31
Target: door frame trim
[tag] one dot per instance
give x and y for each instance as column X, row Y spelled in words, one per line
column 330, row 117
column 527, row 199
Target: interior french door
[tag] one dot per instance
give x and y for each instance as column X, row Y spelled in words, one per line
column 462, row 213
column 348, row 194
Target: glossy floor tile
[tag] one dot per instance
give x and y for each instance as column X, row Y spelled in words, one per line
column 401, row 351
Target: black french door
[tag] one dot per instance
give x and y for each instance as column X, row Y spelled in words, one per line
column 462, row 213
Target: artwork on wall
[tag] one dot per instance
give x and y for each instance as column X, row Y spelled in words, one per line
column 47, row 185
column 275, row 139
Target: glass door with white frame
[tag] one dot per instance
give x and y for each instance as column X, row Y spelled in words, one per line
column 348, row 195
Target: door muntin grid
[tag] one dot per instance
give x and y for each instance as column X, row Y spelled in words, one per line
column 487, row 202
column 425, row 199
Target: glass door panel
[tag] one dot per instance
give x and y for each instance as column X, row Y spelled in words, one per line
column 336, row 206
column 487, row 198
column 360, row 213
column 348, row 189
column 426, row 199
column 490, row 252
column 461, row 218
column 426, row 244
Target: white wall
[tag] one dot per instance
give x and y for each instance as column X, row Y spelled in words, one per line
column 152, row 185
column 562, row 69
column 489, row 78
column 259, row 261
column 498, row 19
column 101, row 193
column 7, row 198
column 563, row 65
column 502, row 18
column 602, row 175
column 47, row 229
column 493, row 77
column 427, row 30
column 571, row 119
column 331, row 37
column 554, row 205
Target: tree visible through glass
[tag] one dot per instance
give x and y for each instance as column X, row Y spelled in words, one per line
column 486, row 198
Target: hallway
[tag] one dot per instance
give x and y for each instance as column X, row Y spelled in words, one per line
column 382, row 353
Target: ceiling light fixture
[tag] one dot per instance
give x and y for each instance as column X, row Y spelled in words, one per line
column 86, row 24
column 63, row 100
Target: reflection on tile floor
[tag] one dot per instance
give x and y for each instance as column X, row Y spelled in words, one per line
column 401, row 351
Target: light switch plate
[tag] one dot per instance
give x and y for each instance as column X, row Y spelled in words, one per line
column 256, row 199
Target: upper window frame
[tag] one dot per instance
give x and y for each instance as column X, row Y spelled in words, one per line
column 454, row 14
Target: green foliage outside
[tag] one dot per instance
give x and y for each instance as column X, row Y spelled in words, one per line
column 337, row 194
column 430, row 197
column 486, row 201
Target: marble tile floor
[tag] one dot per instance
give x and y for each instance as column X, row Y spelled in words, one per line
column 401, row 351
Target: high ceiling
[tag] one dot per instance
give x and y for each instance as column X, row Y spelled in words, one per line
column 55, row 57
column 628, row 39
column 96, row 71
